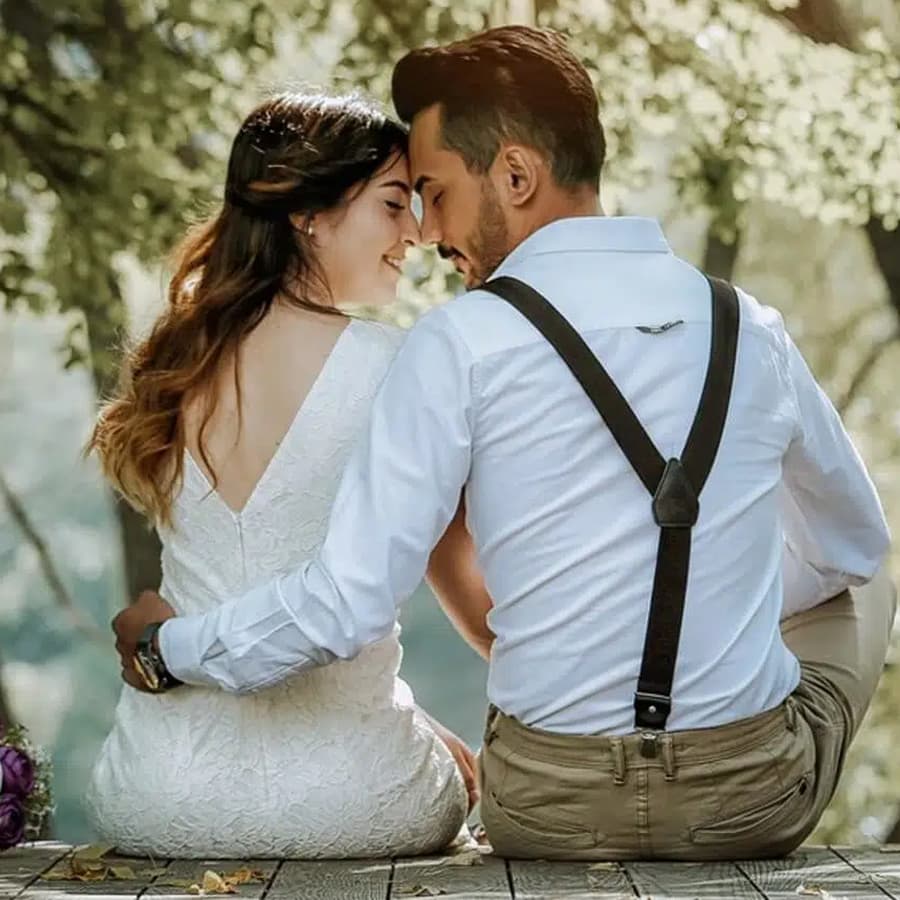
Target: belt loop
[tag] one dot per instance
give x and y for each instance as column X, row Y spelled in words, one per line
column 790, row 714
column 668, row 756
column 618, row 756
column 490, row 728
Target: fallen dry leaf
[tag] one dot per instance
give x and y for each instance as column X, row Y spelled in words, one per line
column 814, row 890
column 213, row 883
column 93, row 851
column 244, row 876
column 122, row 873
column 604, row 867
column 88, row 869
column 88, row 865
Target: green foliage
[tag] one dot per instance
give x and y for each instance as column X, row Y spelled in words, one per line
column 754, row 108
column 114, row 116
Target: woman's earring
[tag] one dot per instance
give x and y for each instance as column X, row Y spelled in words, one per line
column 310, row 231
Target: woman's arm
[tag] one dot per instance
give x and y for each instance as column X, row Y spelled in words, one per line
column 455, row 578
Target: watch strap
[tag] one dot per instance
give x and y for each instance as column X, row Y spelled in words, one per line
column 157, row 676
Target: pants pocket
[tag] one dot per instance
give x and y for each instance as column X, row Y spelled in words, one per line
column 760, row 825
column 512, row 831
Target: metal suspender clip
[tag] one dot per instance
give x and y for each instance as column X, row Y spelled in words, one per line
column 650, row 744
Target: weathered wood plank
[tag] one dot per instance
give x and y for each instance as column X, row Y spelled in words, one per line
column 21, row 866
column 44, row 888
column 881, row 865
column 486, row 880
column 192, row 870
column 540, row 880
column 352, row 879
column 809, row 868
column 845, row 872
column 662, row 880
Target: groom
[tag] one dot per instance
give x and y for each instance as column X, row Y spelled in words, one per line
column 645, row 699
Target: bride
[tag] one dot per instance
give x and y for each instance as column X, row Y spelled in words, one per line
column 230, row 431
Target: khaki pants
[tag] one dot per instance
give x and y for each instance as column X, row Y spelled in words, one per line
column 753, row 788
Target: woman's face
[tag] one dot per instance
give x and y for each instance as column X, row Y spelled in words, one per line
column 361, row 244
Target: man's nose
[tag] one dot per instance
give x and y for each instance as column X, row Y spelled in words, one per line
column 430, row 228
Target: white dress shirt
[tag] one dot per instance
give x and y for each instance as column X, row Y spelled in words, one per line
column 476, row 398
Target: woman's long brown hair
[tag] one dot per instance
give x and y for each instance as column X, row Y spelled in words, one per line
column 294, row 154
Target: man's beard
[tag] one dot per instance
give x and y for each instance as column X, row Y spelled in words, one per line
column 490, row 243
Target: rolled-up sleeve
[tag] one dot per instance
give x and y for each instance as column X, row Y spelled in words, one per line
column 835, row 531
column 398, row 494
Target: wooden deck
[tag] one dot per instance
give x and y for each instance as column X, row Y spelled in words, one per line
column 33, row 872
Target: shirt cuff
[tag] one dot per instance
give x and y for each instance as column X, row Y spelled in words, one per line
column 805, row 587
column 179, row 648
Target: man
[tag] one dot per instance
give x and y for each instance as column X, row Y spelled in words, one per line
column 739, row 752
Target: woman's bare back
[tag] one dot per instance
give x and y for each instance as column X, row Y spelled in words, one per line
column 277, row 365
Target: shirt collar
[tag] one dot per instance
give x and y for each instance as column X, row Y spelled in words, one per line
column 599, row 234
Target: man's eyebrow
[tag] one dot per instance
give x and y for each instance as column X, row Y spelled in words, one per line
column 396, row 184
column 421, row 182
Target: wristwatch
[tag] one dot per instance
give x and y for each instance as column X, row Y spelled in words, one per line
column 149, row 664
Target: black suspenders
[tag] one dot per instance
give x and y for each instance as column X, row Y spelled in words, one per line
column 674, row 485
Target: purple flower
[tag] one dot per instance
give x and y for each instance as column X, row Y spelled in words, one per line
column 12, row 822
column 17, row 771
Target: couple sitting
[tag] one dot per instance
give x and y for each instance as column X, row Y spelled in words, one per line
column 669, row 587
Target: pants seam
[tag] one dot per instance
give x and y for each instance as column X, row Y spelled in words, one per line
column 642, row 810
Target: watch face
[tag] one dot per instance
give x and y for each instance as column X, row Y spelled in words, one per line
column 145, row 669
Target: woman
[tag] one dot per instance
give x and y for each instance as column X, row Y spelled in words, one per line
column 230, row 432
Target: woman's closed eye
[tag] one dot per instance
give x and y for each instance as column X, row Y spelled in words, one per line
column 394, row 206
column 436, row 199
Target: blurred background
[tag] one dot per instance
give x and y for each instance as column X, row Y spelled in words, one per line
column 762, row 133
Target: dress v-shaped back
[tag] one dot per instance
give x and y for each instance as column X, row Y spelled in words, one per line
column 333, row 762
column 319, row 383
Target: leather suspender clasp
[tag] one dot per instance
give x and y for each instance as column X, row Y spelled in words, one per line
column 675, row 503
column 652, row 710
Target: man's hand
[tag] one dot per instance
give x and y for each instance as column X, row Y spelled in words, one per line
column 128, row 626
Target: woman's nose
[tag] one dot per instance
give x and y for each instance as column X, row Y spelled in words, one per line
column 412, row 234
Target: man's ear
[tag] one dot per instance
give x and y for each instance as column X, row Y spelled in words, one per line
column 518, row 173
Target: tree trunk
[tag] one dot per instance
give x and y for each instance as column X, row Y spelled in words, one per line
column 141, row 549
column 886, row 249
column 823, row 21
column 720, row 258
column 5, row 711
column 140, row 544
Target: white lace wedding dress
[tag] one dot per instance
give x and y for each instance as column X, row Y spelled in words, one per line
column 335, row 762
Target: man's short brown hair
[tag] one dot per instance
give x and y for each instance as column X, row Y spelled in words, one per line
column 512, row 83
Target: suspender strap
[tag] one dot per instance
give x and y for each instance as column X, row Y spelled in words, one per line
column 674, row 485
column 623, row 424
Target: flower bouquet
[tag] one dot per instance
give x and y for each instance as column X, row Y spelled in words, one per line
column 24, row 788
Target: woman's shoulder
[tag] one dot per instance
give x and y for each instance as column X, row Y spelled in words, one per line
column 381, row 338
